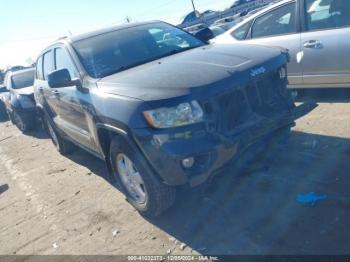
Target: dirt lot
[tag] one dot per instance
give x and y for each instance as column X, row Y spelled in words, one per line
column 50, row 204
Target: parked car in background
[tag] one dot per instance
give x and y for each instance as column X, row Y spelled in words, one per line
column 195, row 28
column 237, row 3
column 19, row 100
column 162, row 115
column 227, row 22
column 216, row 30
column 195, row 15
column 316, row 33
column 14, row 68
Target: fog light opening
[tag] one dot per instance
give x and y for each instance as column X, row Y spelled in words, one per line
column 188, row 162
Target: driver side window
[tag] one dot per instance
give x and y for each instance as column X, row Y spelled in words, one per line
column 280, row 21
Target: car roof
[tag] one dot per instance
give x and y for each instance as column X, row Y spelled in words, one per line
column 263, row 10
column 19, row 72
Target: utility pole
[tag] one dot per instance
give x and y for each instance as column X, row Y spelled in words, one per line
column 194, row 8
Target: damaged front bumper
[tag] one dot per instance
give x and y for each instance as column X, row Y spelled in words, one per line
column 211, row 150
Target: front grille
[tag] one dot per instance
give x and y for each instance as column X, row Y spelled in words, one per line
column 233, row 109
column 261, row 97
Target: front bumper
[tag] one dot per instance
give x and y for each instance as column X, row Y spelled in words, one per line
column 211, row 150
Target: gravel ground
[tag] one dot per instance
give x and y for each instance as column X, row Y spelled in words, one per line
column 50, row 204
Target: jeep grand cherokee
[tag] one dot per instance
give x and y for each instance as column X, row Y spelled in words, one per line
column 161, row 111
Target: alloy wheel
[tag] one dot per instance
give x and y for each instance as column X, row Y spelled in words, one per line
column 131, row 179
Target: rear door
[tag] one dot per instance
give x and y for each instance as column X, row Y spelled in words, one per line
column 280, row 27
column 326, row 43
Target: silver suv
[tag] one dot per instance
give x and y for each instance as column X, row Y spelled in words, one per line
column 316, row 32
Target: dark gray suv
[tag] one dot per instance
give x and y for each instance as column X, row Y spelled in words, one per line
column 161, row 107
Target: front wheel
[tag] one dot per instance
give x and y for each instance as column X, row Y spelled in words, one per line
column 143, row 190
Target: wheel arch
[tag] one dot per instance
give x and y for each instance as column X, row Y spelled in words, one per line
column 106, row 133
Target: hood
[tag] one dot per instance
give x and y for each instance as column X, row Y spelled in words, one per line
column 25, row 91
column 182, row 73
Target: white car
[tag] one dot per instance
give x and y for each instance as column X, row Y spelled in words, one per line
column 316, row 33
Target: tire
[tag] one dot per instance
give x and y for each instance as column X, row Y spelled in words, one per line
column 3, row 112
column 62, row 145
column 158, row 196
column 25, row 123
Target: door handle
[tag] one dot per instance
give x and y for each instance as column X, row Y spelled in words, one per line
column 315, row 44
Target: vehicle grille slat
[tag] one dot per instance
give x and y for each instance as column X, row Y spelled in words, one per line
column 260, row 97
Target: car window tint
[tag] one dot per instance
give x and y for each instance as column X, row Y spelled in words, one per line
column 119, row 50
column 48, row 64
column 23, row 79
column 241, row 32
column 277, row 22
column 63, row 61
column 39, row 69
column 327, row 14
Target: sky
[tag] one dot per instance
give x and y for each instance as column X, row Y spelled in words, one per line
column 27, row 26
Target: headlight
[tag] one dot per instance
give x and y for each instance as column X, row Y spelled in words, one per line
column 25, row 101
column 181, row 115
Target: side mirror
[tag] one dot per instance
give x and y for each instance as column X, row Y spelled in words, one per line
column 205, row 34
column 61, row 78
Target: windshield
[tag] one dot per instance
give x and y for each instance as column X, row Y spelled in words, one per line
column 111, row 52
column 23, row 79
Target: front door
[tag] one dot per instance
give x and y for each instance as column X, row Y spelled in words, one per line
column 72, row 118
column 326, row 43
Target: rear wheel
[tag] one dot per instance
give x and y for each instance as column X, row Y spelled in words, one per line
column 140, row 185
column 23, row 122
column 62, row 145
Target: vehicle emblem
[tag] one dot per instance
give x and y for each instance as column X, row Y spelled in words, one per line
column 257, row 71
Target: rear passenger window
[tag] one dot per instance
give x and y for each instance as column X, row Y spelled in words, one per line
column 48, row 64
column 39, row 69
column 327, row 14
column 280, row 21
column 63, row 61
